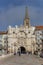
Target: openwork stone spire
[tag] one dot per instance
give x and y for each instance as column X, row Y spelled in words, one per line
column 26, row 20
column 26, row 13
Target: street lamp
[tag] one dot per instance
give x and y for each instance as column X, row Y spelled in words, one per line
column 6, row 44
column 14, row 49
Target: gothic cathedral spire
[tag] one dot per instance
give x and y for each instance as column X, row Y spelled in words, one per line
column 26, row 20
column 26, row 12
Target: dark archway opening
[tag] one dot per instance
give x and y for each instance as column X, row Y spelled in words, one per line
column 23, row 50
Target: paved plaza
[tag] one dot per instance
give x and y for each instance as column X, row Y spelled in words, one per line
column 24, row 59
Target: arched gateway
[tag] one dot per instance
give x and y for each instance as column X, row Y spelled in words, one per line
column 21, row 37
column 22, row 50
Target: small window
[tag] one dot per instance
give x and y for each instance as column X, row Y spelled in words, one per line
column 29, row 32
column 34, row 33
column 13, row 32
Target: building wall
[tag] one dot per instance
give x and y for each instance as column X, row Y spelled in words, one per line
column 39, row 37
column 21, row 36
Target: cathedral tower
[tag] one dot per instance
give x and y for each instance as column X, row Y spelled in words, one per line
column 26, row 19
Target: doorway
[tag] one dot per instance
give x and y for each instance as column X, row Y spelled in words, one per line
column 23, row 50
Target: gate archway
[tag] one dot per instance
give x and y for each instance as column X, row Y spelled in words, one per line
column 22, row 50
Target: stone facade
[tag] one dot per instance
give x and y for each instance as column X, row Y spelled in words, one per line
column 39, row 38
column 21, row 37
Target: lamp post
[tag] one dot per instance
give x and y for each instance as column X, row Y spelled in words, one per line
column 6, row 44
column 14, row 49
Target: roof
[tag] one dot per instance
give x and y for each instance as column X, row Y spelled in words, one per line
column 39, row 27
column 3, row 32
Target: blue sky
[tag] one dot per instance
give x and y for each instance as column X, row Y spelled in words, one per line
column 12, row 12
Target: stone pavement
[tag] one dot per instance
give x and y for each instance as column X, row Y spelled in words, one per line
column 22, row 60
column 5, row 56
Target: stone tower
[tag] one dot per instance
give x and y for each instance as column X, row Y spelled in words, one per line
column 26, row 19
